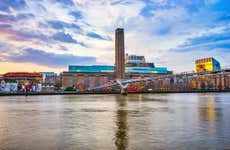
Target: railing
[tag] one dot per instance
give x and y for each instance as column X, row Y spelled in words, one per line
column 162, row 77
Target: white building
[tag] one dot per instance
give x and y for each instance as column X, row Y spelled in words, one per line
column 8, row 87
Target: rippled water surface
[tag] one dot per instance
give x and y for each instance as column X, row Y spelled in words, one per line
column 106, row 122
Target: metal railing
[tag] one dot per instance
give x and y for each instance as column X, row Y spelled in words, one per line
column 124, row 83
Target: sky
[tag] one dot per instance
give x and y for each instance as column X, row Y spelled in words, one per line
column 49, row 35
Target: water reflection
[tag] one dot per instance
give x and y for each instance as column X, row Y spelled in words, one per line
column 121, row 137
column 209, row 114
column 206, row 109
column 3, row 123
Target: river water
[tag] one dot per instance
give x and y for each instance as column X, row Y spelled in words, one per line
column 107, row 122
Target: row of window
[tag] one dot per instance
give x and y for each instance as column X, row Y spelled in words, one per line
column 204, row 60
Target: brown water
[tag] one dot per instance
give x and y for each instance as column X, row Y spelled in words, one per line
column 106, row 122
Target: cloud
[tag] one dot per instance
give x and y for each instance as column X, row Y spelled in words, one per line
column 1, row 44
column 37, row 37
column 6, row 5
column 61, row 25
column 95, row 35
column 7, row 18
column 24, row 16
column 76, row 14
column 81, row 1
column 6, row 29
column 12, row 18
column 66, row 38
column 65, row 2
column 63, row 48
column 162, row 30
column 49, row 59
column 63, row 37
column 210, row 41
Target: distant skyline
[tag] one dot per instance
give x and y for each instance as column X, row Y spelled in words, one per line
column 49, row 35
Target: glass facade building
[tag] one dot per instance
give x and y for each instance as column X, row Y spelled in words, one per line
column 207, row 64
column 100, row 69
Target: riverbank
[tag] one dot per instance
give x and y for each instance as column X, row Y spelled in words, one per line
column 85, row 93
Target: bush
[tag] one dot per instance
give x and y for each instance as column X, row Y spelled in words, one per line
column 70, row 89
column 10, row 81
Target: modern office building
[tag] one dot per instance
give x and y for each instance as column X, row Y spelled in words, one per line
column 134, row 59
column 110, row 69
column 207, row 65
column 119, row 53
column 137, row 61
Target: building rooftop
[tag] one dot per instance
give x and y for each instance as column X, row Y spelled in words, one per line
column 98, row 69
column 135, row 59
column 203, row 60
